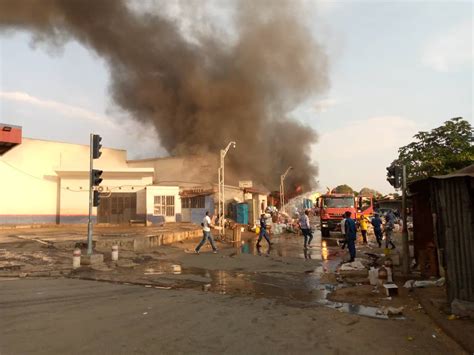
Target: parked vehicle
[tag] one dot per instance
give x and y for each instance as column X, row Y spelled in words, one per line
column 332, row 207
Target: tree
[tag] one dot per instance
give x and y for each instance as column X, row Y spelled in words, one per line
column 368, row 191
column 441, row 151
column 343, row 189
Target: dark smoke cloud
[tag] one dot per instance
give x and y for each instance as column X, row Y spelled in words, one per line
column 200, row 94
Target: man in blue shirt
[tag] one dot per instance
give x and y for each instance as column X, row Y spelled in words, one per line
column 377, row 223
column 263, row 230
column 351, row 235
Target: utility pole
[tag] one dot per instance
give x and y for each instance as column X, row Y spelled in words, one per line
column 406, row 250
column 89, row 223
column 282, row 189
column 221, row 188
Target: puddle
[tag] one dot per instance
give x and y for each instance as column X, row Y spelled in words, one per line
column 302, row 289
column 324, row 250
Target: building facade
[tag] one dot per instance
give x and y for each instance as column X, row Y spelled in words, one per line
column 48, row 182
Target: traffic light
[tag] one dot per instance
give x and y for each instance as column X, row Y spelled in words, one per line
column 95, row 181
column 96, row 198
column 394, row 176
column 96, row 177
column 96, row 153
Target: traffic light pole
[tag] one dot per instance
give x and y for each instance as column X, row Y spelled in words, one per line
column 406, row 250
column 91, row 192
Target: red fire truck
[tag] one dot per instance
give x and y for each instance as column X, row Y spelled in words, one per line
column 332, row 207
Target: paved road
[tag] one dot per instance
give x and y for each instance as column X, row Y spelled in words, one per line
column 64, row 316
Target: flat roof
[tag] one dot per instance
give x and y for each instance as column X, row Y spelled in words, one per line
column 61, row 142
column 120, row 171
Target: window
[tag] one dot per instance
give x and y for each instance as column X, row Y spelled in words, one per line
column 185, row 202
column 365, row 203
column 338, row 202
column 193, row 202
column 164, row 206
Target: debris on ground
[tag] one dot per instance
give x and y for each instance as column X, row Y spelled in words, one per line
column 391, row 289
column 355, row 265
column 462, row 308
column 425, row 283
column 391, row 311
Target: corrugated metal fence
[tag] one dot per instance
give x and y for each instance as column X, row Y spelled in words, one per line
column 453, row 203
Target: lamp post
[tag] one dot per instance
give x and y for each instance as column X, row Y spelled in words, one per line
column 282, row 189
column 220, row 173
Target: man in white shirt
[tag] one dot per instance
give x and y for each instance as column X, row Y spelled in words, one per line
column 206, row 231
column 343, row 230
column 306, row 229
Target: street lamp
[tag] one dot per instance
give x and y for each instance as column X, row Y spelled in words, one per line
column 220, row 173
column 282, row 188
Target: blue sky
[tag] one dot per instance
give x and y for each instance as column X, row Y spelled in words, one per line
column 395, row 68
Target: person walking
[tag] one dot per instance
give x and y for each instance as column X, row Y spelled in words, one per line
column 363, row 222
column 377, row 224
column 306, row 229
column 389, row 226
column 206, row 231
column 351, row 235
column 263, row 231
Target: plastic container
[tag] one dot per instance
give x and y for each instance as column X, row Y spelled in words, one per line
column 373, row 276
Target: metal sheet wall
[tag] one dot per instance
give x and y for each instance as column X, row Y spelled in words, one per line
column 454, row 206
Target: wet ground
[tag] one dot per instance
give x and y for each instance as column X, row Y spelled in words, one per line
column 277, row 299
column 284, row 271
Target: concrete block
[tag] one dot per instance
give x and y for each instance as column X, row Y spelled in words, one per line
column 462, row 308
column 94, row 259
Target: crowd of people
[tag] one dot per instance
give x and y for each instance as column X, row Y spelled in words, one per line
column 349, row 227
column 349, row 230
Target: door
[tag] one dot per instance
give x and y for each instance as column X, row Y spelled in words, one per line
column 118, row 208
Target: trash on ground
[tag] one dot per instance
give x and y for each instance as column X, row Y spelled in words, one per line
column 391, row 289
column 373, row 276
column 390, row 311
column 425, row 283
column 355, row 265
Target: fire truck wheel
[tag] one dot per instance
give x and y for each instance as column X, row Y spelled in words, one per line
column 325, row 232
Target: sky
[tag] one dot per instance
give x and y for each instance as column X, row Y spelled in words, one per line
column 396, row 68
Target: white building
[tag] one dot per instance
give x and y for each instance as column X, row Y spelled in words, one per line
column 48, row 182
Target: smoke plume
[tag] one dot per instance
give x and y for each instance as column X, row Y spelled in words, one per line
column 201, row 93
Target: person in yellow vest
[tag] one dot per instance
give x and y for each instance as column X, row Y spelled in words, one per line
column 364, row 225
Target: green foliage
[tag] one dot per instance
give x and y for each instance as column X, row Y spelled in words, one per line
column 441, row 151
column 343, row 189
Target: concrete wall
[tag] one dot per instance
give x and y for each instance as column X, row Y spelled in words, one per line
column 141, row 203
column 186, row 172
column 196, row 215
